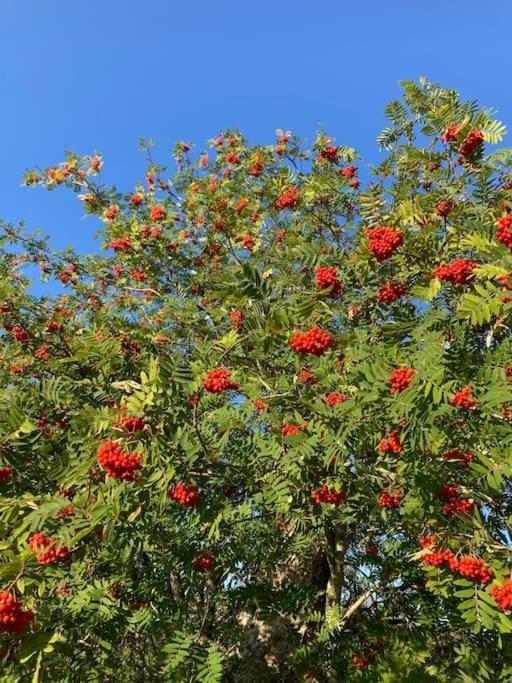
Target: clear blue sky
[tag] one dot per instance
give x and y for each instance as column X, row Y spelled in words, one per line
column 100, row 75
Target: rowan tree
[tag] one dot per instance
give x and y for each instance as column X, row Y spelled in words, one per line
column 265, row 433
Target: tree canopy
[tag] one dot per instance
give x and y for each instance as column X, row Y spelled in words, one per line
column 264, row 434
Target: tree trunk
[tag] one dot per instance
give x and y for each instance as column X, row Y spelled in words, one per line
column 336, row 560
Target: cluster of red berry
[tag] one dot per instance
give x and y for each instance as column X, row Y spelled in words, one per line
column 315, row 341
column 456, row 455
column 241, row 205
column 464, row 399
column 307, row 377
column 328, row 495
column 388, row 499
column 450, row 133
column 232, row 158
column 146, row 232
column 5, row 473
column 256, row 169
column 185, row 494
column 506, row 282
column 111, row 212
column 117, row 464
column 391, row 443
column 327, row 277
column 259, row 405
column 455, row 504
column 383, row 242
column 44, row 548
column 130, row 424
column 123, row 243
column 437, row 558
column 473, row 141
column 389, row 293
column 248, row 242
column 20, row 334
column 473, row 568
column 137, row 199
column 348, row 171
column 334, row 398
column 507, row 413
column 288, row 200
column 400, row 378
column 292, row 430
column 504, row 230
column 503, row 595
column 360, row 662
column 237, row 318
column 444, row 208
column 157, row 213
column 13, row 619
column 204, row 561
column 329, row 153
column 218, row 381
column 428, row 541
column 458, row 272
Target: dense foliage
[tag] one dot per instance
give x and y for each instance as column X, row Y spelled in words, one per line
column 265, row 436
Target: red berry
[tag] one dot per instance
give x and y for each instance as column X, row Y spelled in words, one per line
column 157, row 213
column 5, row 473
column 438, row 558
column 123, row 243
column 388, row 499
column 400, row 379
column 383, row 241
column 474, row 140
column 444, row 208
column 205, row 561
column 185, row 494
column 288, row 200
column 504, row 230
column 348, row 171
column 20, row 334
column 458, row 456
column 307, row 377
column 391, row 444
column 111, row 212
column 389, row 293
column 334, row 398
column 473, row 568
column 464, row 399
column 232, row 158
column 455, row 504
column 137, row 199
column 237, row 318
column 131, row 424
column 329, row 153
column 44, row 548
column 326, row 277
column 117, row 464
column 360, row 663
column 218, row 381
column 458, row 272
column 328, row 495
column 503, row 595
column 450, row 133
column 291, row 430
column 13, row 619
column 315, row 341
